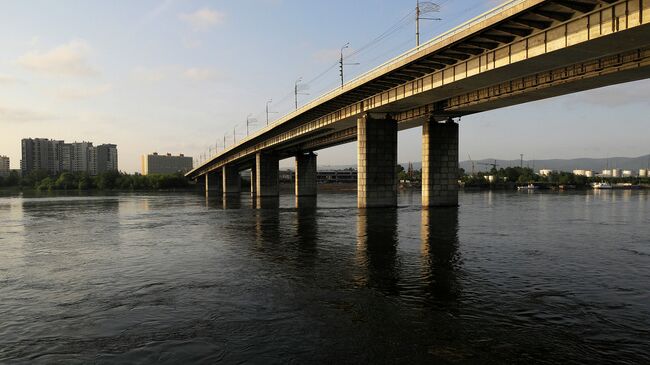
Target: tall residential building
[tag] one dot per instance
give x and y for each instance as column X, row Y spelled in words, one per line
column 56, row 156
column 105, row 158
column 4, row 166
column 77, row 157
column 165, row 164
column 41, row 154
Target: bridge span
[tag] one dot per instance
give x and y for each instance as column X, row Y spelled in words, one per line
column 521, row 51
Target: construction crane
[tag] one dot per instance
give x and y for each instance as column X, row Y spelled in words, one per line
column 472, row 161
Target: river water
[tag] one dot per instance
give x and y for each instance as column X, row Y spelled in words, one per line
column 177, row 278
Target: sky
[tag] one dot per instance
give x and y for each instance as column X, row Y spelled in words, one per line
column 178, row 75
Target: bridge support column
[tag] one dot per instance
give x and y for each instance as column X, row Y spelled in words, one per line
column 231, row 180
column 439, row 164
column 266, row 174
column 305, row 182
column 377, row 162
column 213, row 182
column 254, row 181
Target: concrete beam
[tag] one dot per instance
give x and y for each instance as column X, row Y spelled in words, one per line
column 377, row 162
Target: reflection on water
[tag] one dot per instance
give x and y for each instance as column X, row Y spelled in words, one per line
column 178, row 278
column 377, row 248
column 439, row 232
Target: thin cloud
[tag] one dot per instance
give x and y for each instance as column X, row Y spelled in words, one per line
column 203, row 19
column 69, row 59
column 157, row 11
column 13, row 115
column 68, row 93
column 200, row 74
column 192, row 43
column 144, row 74
column 7, row 79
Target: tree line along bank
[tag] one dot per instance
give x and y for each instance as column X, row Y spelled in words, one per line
column 110, row 180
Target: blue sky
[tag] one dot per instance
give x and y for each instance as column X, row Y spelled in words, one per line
column 175, row 76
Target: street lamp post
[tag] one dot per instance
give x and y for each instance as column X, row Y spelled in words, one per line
column 296, row 93
column 267, row 110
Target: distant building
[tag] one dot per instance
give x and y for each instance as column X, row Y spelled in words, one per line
column 286, row 176
column 55, row 156
column 336, row 176
column 586, row 173
column 78, row 157
column 627, row 173
column 41, row 154
column 105, row 158
column 4, row 166
column 643, row 173
column 165, row 164
column 616, row 173
column 545, row 172
column 606, row 173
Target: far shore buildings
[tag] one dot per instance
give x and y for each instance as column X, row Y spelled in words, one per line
column 165, row 164
column 4, row 166
column 55, row 156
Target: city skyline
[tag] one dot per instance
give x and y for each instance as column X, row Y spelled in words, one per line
column 172, row 73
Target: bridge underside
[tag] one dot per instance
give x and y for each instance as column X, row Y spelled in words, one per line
column 548, row 49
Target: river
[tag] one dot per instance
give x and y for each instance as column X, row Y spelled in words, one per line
column 508, row 277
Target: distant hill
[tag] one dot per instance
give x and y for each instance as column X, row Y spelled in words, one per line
column 595, row 164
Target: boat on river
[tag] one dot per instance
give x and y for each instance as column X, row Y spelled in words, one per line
column 528, row 187
column 601, row 185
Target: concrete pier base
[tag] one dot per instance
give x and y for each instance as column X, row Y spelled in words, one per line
column 231, row 180
column 377, row 161
column 306, row 184
column 439, row 164
column 266, row 175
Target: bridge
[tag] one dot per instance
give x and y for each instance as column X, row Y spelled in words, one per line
column 521, row 51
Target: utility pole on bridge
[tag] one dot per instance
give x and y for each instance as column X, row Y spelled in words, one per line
column 341, row 64
column 423, row 8
column 296, row 93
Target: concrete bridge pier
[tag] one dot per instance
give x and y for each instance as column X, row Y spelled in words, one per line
column 266, row 174
column 377, row 162
column 231, row 180
column 213, row 182
column 305, row 184
column 439, row 164
column 253, row 182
